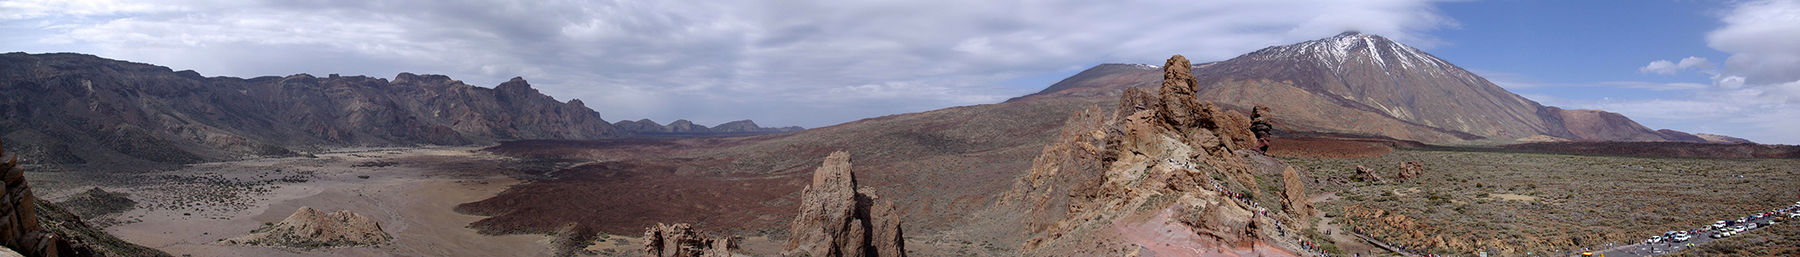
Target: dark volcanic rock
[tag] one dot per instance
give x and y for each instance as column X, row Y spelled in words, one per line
column 72, row 108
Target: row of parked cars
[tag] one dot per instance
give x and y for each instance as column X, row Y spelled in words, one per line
column 1728, row 228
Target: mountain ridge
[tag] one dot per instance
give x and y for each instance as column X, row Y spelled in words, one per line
column 684, row 127
column 67, row 108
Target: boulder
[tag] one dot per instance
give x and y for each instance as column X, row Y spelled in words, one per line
column 837, row 219
column 1367, row 175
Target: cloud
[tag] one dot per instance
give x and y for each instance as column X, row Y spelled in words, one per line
column 1755, row 94
column 1666, row 67
column 1764, row 114
column 1763, row 38
column 798, row 62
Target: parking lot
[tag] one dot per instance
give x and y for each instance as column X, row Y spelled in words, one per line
column 1701, row 235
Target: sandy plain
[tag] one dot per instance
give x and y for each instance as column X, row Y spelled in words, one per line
column 193, row 210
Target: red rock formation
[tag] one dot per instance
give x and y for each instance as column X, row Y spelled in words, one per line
column 681, row 240
column 838, row 219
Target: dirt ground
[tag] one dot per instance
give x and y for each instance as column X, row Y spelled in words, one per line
column 411, row 192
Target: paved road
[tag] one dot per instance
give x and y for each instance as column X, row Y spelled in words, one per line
column 1642, row 250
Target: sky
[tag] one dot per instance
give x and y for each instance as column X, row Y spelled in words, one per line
column 1721, row 67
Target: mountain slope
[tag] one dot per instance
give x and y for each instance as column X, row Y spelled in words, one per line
column 1368, row 85
column 74, row 108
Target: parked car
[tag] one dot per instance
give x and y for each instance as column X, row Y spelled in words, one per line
column 1653, row 240
column 1683, row 237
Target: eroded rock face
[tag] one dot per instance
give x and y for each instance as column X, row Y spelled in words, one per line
column 1293, row 197
column 837, row 219
column 311, row 228
column 681, row 240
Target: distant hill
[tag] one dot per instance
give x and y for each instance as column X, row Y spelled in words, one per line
column 679, row 128
column 1364, row 84
column 76, row 108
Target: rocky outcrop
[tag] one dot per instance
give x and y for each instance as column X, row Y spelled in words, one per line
column 310, row 228
column 838, row 219
column 1410, row 170
column 74, row 108
column 682, row 240
column 1161, row 175
column 1367, row 175
column 1262, row 125
column 1293, row 197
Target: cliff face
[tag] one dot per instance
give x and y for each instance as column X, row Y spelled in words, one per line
column 73, row 108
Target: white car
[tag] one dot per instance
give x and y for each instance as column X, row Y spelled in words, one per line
column 1653, row 240
column 1682, row 237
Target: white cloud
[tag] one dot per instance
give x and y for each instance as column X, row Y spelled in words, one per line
column 1755, row 94
column 1763, row 38
column 1765, row 114
column 1666, row 67
column 800, row 62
